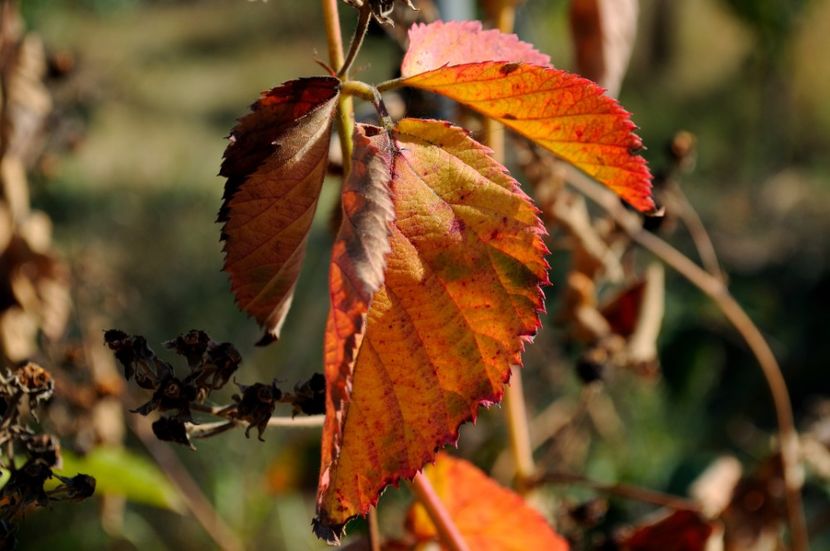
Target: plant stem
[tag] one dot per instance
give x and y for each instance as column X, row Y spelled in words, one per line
column 392, row 84
column 716, row 289
column 357, row 40
column 627, row 491
column 697, row 231
column 374, row 530
column 518, row 431
column 514, row 401
column 444, row 524
column 359, row 89
column 284, row 422
column 345, row 107
column 370, row 94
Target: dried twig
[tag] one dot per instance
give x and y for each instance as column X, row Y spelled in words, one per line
column 716, row 289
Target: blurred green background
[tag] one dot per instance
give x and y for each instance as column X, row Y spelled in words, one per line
column 155, row 87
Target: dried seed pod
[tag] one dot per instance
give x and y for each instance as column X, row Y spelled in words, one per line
column 310, row 396
column 381, row 9
column 256, row 405
column 192, row 345
column 170, row 429
column 76, row 488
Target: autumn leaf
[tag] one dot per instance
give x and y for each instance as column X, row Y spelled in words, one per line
column 461, row 296
column 357, row 266
column 488, row 516
column 275, row 164
column 505, row 79
column 458, row 42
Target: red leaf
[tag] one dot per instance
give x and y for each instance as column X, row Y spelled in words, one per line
column 488, row 516
column 564, row 113
column 275, row 164
column 460, row 297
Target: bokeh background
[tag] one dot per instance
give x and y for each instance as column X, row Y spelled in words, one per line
column 145, row 92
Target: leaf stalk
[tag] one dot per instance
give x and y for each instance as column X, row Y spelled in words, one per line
column 438, row 514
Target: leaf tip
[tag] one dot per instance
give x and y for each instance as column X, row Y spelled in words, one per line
column 326, row 531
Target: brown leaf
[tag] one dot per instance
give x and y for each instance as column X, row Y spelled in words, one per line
column 275, row 165
column 603, row 33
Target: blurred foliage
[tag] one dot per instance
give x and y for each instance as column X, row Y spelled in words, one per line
column 772, row 19
column 157, row 84
column 123, row 473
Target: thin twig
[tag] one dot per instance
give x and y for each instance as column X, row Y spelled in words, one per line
column 697, row 231
column 627, row 491
column 438, row 514
column 195, row 501
column 357, row 40
column 719, row 293
column 310, row 421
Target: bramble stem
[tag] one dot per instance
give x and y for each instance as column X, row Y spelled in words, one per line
column 438, row 514
column 359, row 89
column 345, row 107
column 518, row 431
column 374, row 530
column 370, row 94
column 716, row 289
column 357, row 40
column 514, row 400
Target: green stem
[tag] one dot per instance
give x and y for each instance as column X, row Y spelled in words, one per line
column 359, row 89
column 393, row 84
column 370, row 94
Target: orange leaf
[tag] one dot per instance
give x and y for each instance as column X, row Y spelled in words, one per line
column 460, row 297
column 488, row 516
column 562, row 112
column 275, row 164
